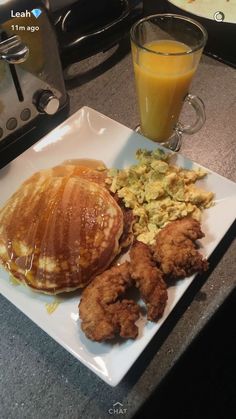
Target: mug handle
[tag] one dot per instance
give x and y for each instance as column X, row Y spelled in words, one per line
column 199, row 108
column 175, row 140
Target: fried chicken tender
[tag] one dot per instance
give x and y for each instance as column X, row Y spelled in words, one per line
column 148, row 279
column 175, row 251
column 102, row 314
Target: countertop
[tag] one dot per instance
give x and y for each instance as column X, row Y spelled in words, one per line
column 38, row 378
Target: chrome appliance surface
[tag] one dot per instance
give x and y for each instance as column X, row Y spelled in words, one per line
column 32, row 87
column 13, row 51
column 86, row 27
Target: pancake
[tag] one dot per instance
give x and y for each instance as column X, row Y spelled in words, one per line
column 58, row 232
column 99, row 177
column 93, row 175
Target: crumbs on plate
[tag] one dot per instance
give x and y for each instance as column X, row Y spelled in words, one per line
column 51, row 307
column 159, row 192
column 14, row 281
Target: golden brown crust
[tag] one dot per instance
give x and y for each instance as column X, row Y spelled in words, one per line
column 175, row 251
column 56, row 233
column 129, row 219
column 127, row 236
column 103, row 315
column 149, row 280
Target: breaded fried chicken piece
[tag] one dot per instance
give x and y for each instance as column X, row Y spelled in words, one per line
column 175, row 251
column 148, row 279
column 102, row 315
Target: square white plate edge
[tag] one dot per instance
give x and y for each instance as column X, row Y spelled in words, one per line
column 71, row 118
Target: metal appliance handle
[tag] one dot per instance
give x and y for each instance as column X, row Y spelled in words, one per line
column 54, row 5
column 13, row 50
column 74, row 45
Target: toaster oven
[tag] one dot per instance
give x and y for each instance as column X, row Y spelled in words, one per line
column 33, row 98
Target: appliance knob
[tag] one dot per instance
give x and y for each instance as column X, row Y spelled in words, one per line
column 48, row 103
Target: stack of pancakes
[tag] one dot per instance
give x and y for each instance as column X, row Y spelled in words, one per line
column 61, row 228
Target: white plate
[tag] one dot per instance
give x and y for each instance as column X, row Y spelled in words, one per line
column 89, row 134
column 209, row 9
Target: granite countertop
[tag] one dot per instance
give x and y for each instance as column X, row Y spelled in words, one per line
column 38, row 378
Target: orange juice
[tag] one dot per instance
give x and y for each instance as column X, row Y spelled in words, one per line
column 162, row 83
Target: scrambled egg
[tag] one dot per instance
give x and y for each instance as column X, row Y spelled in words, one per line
column 158, row 192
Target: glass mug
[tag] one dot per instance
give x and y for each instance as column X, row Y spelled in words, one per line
column 166, row 50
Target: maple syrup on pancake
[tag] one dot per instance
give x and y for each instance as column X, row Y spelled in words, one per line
column 91, row 163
